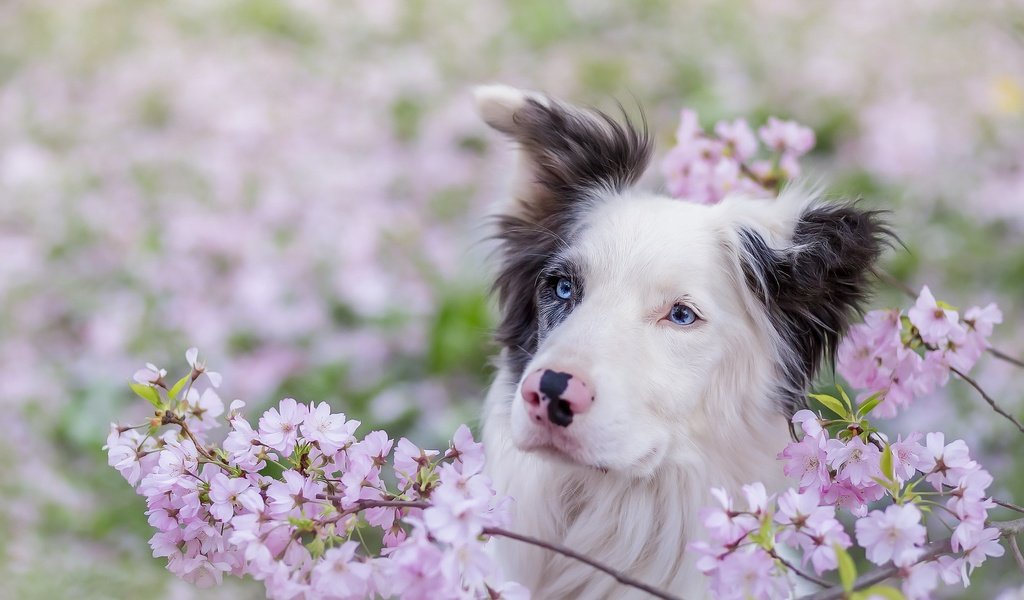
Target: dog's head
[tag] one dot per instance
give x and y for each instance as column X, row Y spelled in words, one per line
column 638, row 325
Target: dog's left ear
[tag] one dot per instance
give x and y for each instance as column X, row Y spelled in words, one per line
column 812, row 283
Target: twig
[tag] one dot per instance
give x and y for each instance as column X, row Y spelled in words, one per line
column 931, row 551
column 172, row 419
column 878, row 575
column 1008, row 505
column 909, row 291
column 813, row 579
column 559, row 549
column 498, row 531
column 1016, row 552
column 988, row 398
column 1004, row 356
column 1009, row 527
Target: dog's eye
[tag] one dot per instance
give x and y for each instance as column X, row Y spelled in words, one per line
column 682, row 315
column 563, row 288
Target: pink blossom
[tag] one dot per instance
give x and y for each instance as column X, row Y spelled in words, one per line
column 945, row 464
column 279, row 427
column 467, row 452
column 933, row 323
column 198, row 368
column 330, row 432
column 982, row 321
column 291, row 496
column 806, row 461
column 787, row 136
column 458, row 503
column 921, row 581
column 953, row 570
column 722, row 523
column 409, row 459
column 808, row 421
column 738, row 137
column 749, row 574
column 908, row 456
column 227, row 493
column 855, row 461
column 151, row 375
column 977, row 543
column 757, row 497
column 811, row 526
column 896, row 534
column 340, row 574
column 969, row 499
column 203, row 409
column 243, row 446
column 845, row 495
column 130, row 453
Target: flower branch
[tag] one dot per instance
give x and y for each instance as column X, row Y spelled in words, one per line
column 999, row 410
column 931, row 552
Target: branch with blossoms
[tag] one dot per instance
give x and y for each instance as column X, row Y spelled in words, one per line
column 843, row 462
column 705, row 167
column 290, row 502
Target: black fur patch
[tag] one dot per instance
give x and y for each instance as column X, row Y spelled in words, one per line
column 812, row 289
column 574, row 155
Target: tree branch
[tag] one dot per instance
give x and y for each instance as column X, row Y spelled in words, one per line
column 813, row 579
column 909, row 292
column 931, row 551
column 500, row 532
column 1004, row 356
column 988, row 398
column 1016, row 552
column 1008, row 505
column 559, row 549
column 879, row 575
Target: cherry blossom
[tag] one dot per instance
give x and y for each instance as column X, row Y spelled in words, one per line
column 894, row 534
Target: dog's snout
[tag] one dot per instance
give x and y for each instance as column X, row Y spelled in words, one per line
column 555, row 396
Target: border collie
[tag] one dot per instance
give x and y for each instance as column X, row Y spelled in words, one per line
column 652, row 348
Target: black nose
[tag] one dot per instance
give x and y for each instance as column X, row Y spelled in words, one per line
column 553, row 384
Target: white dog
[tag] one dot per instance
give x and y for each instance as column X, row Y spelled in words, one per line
column 652, row 348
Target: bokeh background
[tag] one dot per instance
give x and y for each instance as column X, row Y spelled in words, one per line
column 299, row 188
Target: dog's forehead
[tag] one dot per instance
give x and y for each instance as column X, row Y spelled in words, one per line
column 652, row 236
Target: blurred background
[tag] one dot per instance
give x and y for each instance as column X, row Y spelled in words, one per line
column 299, row 188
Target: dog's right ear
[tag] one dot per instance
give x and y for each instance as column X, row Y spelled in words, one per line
column 569, row 158
column 566, row 154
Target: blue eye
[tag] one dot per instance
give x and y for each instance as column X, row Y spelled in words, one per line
column 682, row 315
column 563, row 289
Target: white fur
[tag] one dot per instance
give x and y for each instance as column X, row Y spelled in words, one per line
column 678, row 410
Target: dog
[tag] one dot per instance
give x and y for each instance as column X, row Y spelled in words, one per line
column 651, row 348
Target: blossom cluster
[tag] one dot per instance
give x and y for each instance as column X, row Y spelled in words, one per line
column 904, row 355
column 705, row 167
column 292, row 500
column 842, row 463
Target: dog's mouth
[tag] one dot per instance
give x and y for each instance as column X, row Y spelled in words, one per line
column 567, row 451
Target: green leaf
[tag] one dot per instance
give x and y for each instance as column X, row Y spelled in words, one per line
column 890, row 485
column 832, row 404
column 945, row 305
column 846, row 399
column 872, row 401
column 316, row 547
column 148, row 393
column 886, row 463
column 847, row 570
column 173, row 394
